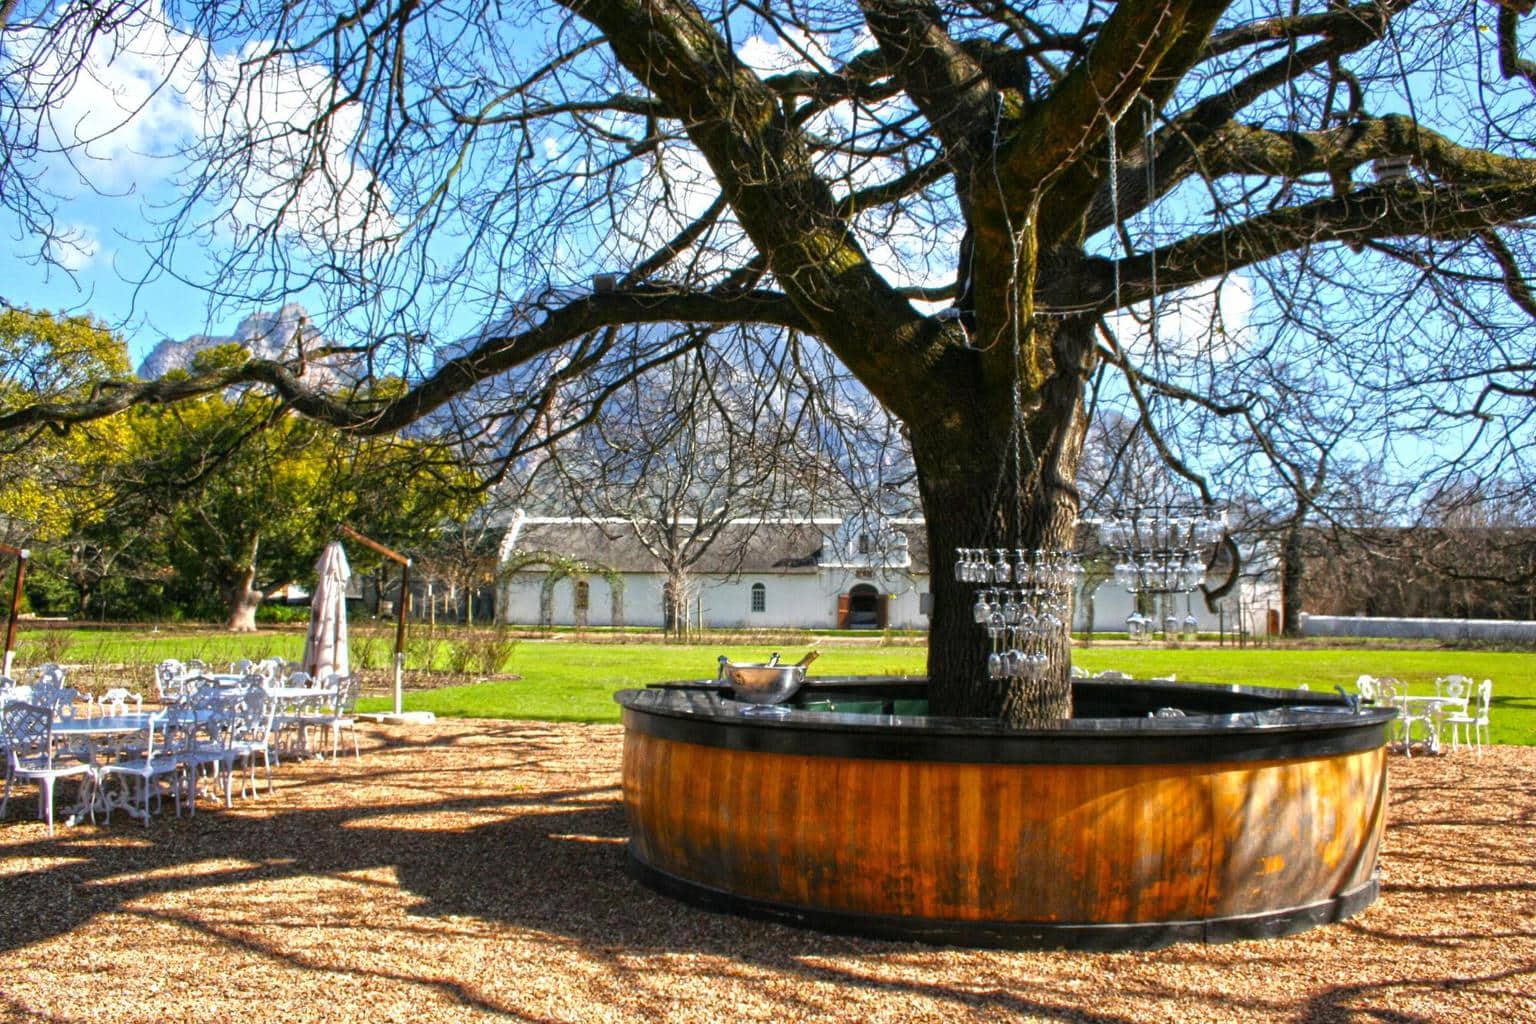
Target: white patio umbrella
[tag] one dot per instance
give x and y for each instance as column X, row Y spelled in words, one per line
column 325, row 645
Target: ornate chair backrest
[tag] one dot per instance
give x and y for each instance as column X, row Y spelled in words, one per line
column 346, row 687
column 178, row 731
column 241, row 667
column 206, row 694
column 1453, row 687
column 60, row 699
column 115, row 701
column 27, row 732
column 218, row 718
column 254, row 716
column 298, row 678
column 1367, row 687
column 50, row 674
column 168, row 680
column 1388, row 690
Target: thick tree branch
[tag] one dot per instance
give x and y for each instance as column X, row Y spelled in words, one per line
column 1511, row 64
column 496, row 353
column 1242, row 149
column 1179, row 149
column 1376, row 212
column 765, row 171
column 1053, row 136
column 946, row 82
column 1516, row 286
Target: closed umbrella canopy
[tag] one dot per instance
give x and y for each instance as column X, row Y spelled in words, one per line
column 325, row 645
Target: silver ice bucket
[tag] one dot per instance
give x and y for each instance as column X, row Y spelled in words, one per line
column 761, row 684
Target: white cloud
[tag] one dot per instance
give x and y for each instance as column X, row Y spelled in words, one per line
column 794, row 50
column 74, row 247
column 264, row 112
column 149, row 104
column 128, row 104
column 1210, row 322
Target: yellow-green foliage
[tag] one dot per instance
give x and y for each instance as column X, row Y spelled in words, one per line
column 53, row 482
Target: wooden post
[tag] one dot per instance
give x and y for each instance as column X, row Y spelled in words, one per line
column 21, row 555
column 405, row 596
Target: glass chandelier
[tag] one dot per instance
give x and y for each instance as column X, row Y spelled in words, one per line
column 1162, row 550
column 1024, row 607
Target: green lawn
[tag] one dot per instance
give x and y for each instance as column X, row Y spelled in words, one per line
column 574, row 682
column 567, row 680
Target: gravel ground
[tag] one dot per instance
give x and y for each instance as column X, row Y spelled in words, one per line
column 473, row 870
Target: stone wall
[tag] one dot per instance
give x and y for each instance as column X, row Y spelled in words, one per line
column 1453, row 630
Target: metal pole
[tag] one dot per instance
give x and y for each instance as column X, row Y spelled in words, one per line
column 10, row 629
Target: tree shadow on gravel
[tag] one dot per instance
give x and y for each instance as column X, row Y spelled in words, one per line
column 525, row 836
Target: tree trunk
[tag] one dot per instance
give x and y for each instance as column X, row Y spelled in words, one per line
column 243, row 600
column 972, row 497
column 241, row 594
column 1292, row 565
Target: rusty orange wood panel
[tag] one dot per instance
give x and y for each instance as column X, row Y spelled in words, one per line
column 1046, row 843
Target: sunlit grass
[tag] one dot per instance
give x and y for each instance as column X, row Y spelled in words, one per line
column 563, row 679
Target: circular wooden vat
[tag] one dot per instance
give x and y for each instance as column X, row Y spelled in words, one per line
column 1249, row 817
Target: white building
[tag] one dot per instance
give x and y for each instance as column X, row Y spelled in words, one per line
column 821, row 573
column 816, row 573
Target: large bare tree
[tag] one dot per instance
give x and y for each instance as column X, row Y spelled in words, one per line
column 840, row 169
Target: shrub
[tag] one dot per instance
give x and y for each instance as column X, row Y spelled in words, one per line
column 494, row 649
column 282, row 613
column 461, row 656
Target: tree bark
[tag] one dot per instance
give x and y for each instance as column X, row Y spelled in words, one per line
column 978, row 493
column 240, row 592
column 1292, row 565
column 243, row 600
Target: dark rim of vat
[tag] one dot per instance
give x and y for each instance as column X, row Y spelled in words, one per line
column 1271, row 735
column 1016, row 935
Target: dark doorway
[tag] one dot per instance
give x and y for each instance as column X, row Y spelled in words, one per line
column 866, row 609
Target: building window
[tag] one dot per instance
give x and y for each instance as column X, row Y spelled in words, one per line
column 863, row 543
column 583, row 595
column 759, row 597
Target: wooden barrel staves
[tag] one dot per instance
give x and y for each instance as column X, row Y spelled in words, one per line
column 1110, row 833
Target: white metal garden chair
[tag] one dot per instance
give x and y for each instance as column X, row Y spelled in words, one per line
column 342, row 713
column 160, row 767
column 253, row 736
column 1386, row 692
column 170, row 681
column 1472, row 721
column 27, row 732
column 212, row 745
